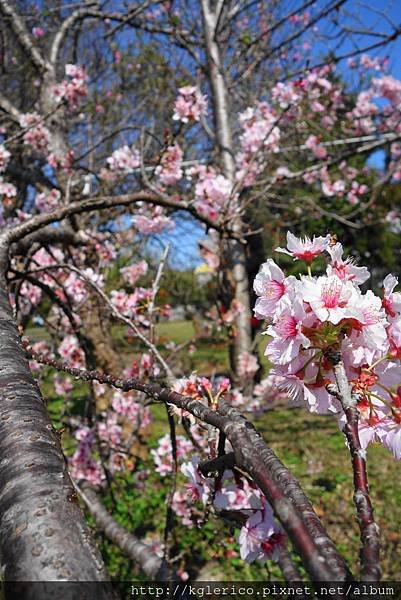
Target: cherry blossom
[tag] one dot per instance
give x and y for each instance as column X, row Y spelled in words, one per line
column 4, row 158
column 71, row 352
column 260, row 538
column 212, row 193
column 305, row 249
column 124, row 160
column 37, row 135
column 190, row 104
column 169, row 171
column 328, row 297
column 133, row 272
column 287, row 333
column 319, row 313
column 345, row 269
column 271, row 286
column 391, row 300
column 247, row 364
column 73, row 89
column 47, row 201
column 313, row 144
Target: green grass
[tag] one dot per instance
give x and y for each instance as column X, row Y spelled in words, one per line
column 177, row 331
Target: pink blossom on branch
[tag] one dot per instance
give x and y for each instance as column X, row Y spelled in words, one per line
column 169, row 171
column 315, row 315
column 260, row 538
column 124, row 160
column 190, row 104
column 73, row 89
column 4, row 158
column 305, row 249
column 133, row 272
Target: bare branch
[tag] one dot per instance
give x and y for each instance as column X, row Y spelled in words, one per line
column 142, row 554
column 20, row 30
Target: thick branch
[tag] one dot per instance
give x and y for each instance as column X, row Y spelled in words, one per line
column 43, row 533
column 17, row 232
column 22, row 34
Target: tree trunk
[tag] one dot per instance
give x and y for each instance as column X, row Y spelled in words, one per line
column 43, row 533
column 236, row 255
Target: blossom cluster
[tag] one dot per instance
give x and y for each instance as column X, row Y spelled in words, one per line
column 169, row 171
column 311, row 316
column 37, row 134
column 124, row 160
column 260, row 537
column 213, row 191
column 190, row 104
column 73, row 89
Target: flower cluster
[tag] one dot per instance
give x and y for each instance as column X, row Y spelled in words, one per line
column 124, row 160
column 312, row 316
column 48, row 201
column 82, row 464
column 133, row 272
column 73, row 89
column 169, row 171
column 260, row 537
column 36, row 134
column 71, row 352
column 153, row 220
column 190, row 104
column 213, row 192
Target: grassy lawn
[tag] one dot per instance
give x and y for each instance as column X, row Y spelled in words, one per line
column 312, row 446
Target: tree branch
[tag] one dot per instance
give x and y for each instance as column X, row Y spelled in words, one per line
column 370, row 550
column 21, row 32
column 318, row 553
column 142, row 554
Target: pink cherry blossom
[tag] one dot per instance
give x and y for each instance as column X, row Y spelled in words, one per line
column 133, row 272
column 260, row 538
column 199, row 488
column 7, row 189
column 287, row 333
column 124, row 160
column 391, row 300
column 313, row 144
column 345, row 269
column 73, row 89
column 38, row 32
column 48, row 201
column 169, row 171
column 212, row 194
column 328, row 297
column 71, row 352
column 247, row 364
column 271, row 286
column 190, row 104
column 305, row 249
column 37, row 135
